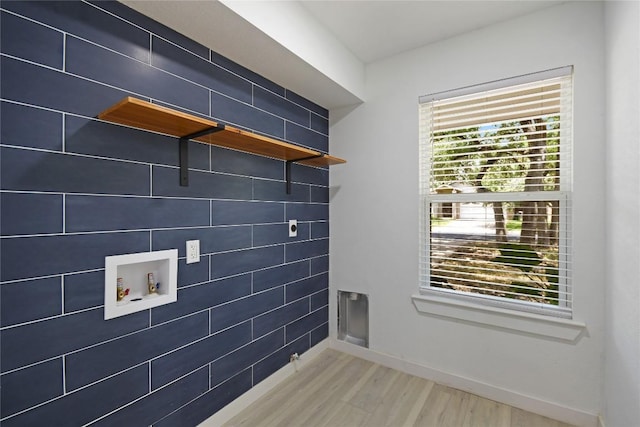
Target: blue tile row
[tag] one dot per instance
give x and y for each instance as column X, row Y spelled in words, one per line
column 318, row 334
column 102, row 65
column 238, row 69
column 271, row 234
column 89, row 365
column 31, row 41
column 320, row 264
column 308, row 211
column 166, row 182
column 88, row 22
column 319, row 300
column 280, row 275
column 191, row 274
column 280, row 106
column 28, row 170
column 202, row 297
column 173, row 365
column 84, row 406
column 209, row 403
column 306, row 324
column 306, row 137
column 292, row 96
column 160, row 403
column 36, row 342
column 212, row 239
column 306, row 287
column 49, row 255
column 30, row 300
column 31, row 386
column 83, row 290
column 228, row 110
column 234, row 212
column 278, row 359
column 30, row 127
column 240, row 163
column 279, row 317
column 237, row 361
column 28, row 213
column 232, row 263
column 91, row 213
column 238, row 311
column 44, row 87
column 96, row 138
column 175, row 60
column 308, row 249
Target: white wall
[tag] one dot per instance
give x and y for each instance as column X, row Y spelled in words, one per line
column 374, row 206
column 622, row 344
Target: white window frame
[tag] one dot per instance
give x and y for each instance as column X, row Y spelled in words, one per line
column 440, row 301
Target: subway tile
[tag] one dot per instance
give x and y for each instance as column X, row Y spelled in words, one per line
column 201, row 185
column 212, row 239
column 152, row 26
column 310, row 175
column 271, row 234
column 197, row 272
column 201, row 297
column 175, row 60
column 292, row 96
column 240, row 163
column 309, row 249
column 236, row 212
column 320, row 124
column 320, row 264
column 307, row 287
column 231, row 263
column 30, row 127
column 238, row 311
column 27, row 170
column 39, row 86
column 237, row 113
column 92, row 364
column 30, row 300
column 209, row 403
column 319, row 230
column 238, row 69
column 319, row 194
column 31, row 386
column 277, row 360
column 277, row 191
column 306, row 137
column 31, row 41
column 86, row 405
column 319, row 333
column 279, row 317
column 26, row 213
column 93, row 137
column 83, row 290
column 99, row 213
column 237, row 361
column 173, row 365
column 280, row 106
column 160, row 403
column 306, row 324
column 307, row 211
column 319, row 300
column 35, row 342
column 280, row 275
column 60, row 254
column 96, row 63
column 84, row 20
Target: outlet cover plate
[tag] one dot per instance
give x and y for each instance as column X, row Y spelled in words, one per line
column 293, row 227
column 193, row 251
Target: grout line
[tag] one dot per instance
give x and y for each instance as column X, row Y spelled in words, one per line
column 64, row 52
column 62, row 293
column 64, row 375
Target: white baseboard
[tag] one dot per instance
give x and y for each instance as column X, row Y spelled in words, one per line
column 518, row 400
column 246, row 399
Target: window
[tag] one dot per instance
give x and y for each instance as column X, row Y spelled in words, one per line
column 495, row 193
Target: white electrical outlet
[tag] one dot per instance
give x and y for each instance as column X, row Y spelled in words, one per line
column 193, row 251
column 293, row 227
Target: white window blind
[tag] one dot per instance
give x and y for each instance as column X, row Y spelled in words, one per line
column 495, row 193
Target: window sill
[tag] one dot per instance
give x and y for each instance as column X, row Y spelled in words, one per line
column 535, row 324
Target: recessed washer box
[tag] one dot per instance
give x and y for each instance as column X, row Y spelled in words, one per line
column 136, row 282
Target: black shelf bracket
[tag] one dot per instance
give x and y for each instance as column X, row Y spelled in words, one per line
column 184, row 151
column 288, row 169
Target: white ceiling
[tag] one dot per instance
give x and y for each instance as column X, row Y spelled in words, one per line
column 319, row 49
column 374, row 30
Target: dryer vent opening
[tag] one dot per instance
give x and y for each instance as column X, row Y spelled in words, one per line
column 353, row 318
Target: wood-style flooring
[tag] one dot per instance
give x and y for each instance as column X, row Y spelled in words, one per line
column 339, row 390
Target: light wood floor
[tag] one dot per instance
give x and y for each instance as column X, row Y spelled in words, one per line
column 339, row 390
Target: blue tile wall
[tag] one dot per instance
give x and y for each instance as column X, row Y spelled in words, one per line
column 74, row 189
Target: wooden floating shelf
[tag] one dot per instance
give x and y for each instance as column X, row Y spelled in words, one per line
column 145, row 115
